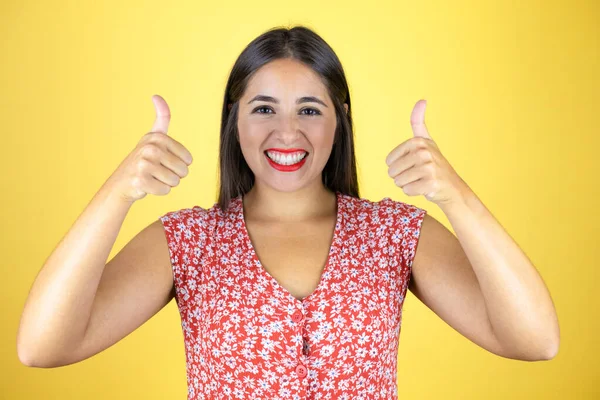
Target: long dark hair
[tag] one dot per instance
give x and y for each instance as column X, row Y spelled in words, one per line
column 302, row 44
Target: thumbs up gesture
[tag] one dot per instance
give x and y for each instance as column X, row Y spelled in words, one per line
column 156, row 164
column 418, row 167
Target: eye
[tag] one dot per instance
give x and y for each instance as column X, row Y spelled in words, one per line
column 256, row 110
column 316, row 112
column 269, row 110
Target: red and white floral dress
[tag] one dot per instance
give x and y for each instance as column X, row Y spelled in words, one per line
column 247, row 337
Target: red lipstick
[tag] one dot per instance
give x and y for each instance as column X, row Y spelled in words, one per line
column 286, row 168
column 286, row 150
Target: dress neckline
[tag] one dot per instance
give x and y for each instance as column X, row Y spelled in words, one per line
column 325, row 273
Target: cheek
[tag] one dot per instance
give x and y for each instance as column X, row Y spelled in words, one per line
column 248, row 149
column 250, row 140
column 252, row 126
column 321, row 134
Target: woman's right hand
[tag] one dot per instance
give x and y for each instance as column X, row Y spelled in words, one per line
column 157, row 163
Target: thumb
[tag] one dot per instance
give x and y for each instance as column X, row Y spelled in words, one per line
column 163, row 115
column 417, row 120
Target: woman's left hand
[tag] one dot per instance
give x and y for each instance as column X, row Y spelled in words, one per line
column 418, row 167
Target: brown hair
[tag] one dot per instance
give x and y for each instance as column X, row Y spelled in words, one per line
column 302, row 44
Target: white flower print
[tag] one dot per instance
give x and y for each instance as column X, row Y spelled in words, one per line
column 241, row 338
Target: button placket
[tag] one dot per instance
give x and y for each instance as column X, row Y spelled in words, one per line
column 301, row 369
column 305, row 346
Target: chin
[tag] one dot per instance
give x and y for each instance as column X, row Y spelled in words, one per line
column 285, row 186
column 280, row 184
column 285, row 182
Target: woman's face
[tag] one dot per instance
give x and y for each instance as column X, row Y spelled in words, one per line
column 286, row 124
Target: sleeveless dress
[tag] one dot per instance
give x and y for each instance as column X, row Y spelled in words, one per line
column 247, row 337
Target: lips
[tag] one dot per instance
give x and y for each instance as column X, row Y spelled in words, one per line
column 286, row 151
column 286, row 160
column 286, row 156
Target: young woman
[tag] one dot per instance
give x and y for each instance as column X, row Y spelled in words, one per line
column 291, row 285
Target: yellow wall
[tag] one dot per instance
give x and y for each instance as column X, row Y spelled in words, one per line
column 512, row 90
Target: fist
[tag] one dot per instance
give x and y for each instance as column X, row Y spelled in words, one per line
column 418, row 167
column 156, row 164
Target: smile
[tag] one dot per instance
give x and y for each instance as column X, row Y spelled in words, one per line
column 288, row 160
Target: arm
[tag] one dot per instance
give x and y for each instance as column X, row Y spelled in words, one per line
column 77, row 306
column 497, row 280
column 481, row 282
column 445, row 281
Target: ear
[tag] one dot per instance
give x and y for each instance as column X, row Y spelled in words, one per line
column 346, row 107
column 229, row 106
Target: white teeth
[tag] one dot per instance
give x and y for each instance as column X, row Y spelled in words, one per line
column 286, row 159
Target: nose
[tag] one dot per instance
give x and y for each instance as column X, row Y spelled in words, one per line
column 287, row 128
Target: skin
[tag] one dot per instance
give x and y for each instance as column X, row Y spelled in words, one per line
column 287, row 196
column 80, row 304
column 479, row 281
column 290, row 216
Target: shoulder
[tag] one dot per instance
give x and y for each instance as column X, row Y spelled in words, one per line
column 401, row 209
column 192, row 223
column 386, row 211
column 188, row 231
column 193, row 216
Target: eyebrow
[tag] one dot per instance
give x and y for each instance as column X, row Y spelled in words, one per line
column 305, row 99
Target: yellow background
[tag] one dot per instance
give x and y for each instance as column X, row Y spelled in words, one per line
column 512, row 91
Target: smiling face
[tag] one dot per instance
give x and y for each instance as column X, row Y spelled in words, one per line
column 286, row 125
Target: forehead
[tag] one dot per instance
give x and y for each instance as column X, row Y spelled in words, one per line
column 286, row 76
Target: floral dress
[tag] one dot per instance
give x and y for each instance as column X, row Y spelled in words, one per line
column 247, row 337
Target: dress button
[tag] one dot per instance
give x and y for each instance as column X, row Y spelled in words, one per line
column 301, row 371
column 297, row 316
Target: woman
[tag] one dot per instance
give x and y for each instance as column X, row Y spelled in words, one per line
column 291, row 286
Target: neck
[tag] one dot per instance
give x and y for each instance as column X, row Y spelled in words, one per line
column 265, row 203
